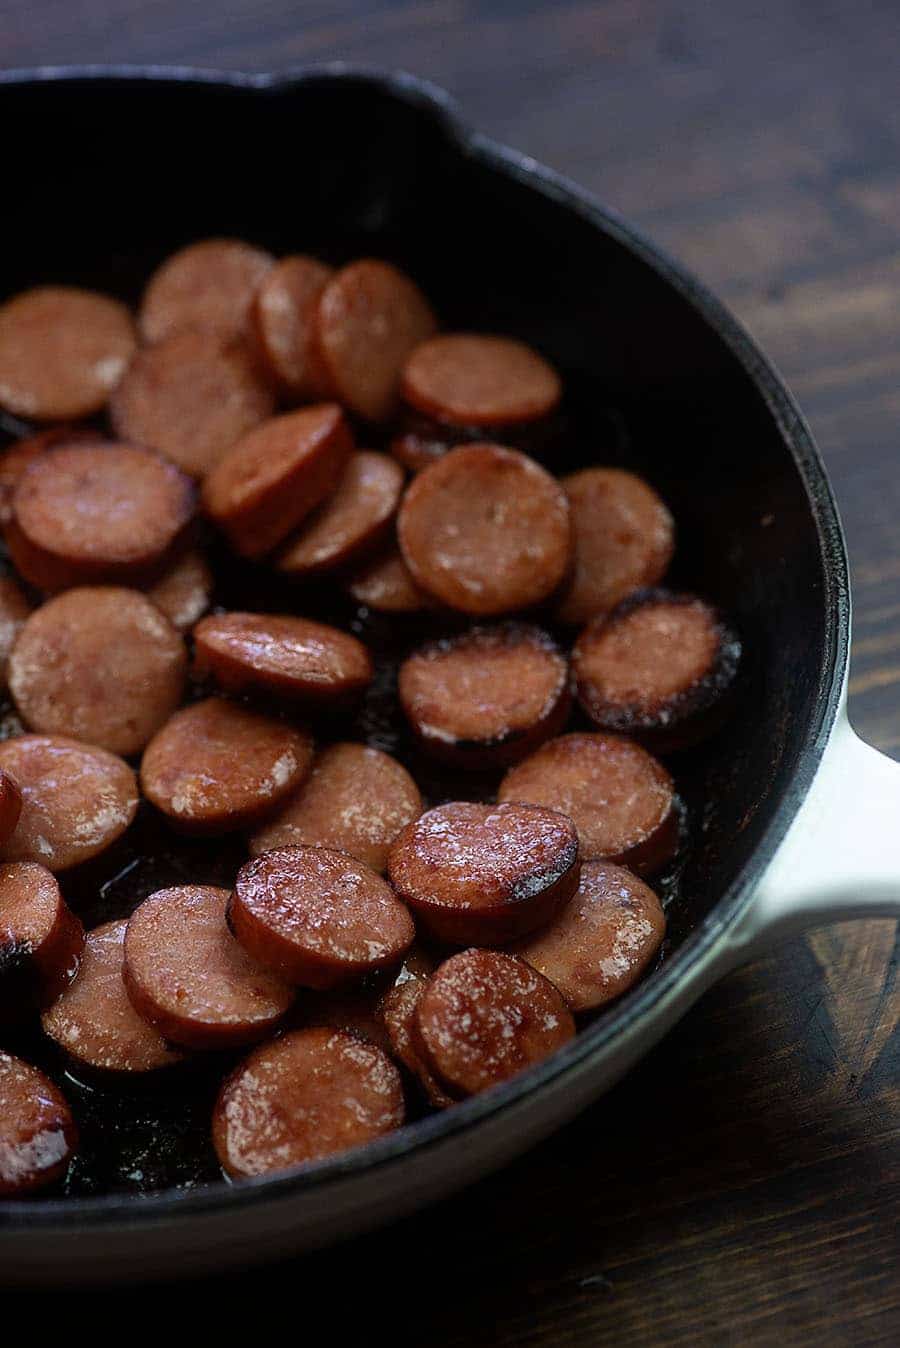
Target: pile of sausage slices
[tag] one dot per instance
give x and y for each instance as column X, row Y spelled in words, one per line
column 371, row 950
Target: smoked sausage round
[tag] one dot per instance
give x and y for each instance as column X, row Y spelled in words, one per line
column 208, row 285
column 276, row 475
column 485, row 873
column 353, row 521
column 284, row 317
column 485, row 1016
column 318, row 917
column 488, row 697
column 76, row 800
column 471, row 379
column 216, row 766
column 62, row 352
column 621, row 799
column 37, row 1132
column 660, row 667
column 92, row 512
column 189, row 978
column 370, row 317
column 94, row 1021
column 485, row 530
column 600, row 943
column 41, row 939
column 100, row 664
column 305, row 1096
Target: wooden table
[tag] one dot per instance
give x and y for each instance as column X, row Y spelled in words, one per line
column 743, row 1185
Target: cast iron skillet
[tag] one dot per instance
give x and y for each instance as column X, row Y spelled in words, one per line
column 110, row 170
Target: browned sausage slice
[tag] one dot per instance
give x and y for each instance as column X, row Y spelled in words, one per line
column 386, row 586
column 659, row 667
column 37, row 1132
column 305, row 1096
column 488, row 697
column 624, row 539
column 469, row 379
column 16, row 458
column 10, row 805
column 317, row 917
column 485, row 873
column 621, row 798
column 76, row 800
column 356, row 799
column 62, row 352
column 191, row 397
column 598, row 946
column 276, row 475
column 14, row 609
column 93, row 512
column 94, row 1020
column 216, row 766
column 353, row 521
column 284, row 314
column 485, row 530
column 189, row 978
column 99, row 664
column 209, row 285
column 369, row 319
column 485, row 1016
column 184, row 593
column 291, row 657
column 397, row 1009
column 41, row 939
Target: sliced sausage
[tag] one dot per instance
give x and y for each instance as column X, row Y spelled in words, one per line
column 94, row 512
column 99, row 664
column 41, row 939
column 291, row 657
column 284, row 315
column 624, row 539
column 370, row 317
column 353, row 521
column 62, row 352
column 16, row 458
column 486, row 530
column 215, row 766
column 397, row 1009
column 76, row 800
column 621, row 799
column 317, row 917
column 387, row 586
column 470, row 379
column 208, row 285
column 184, row 593
column 10, row 805
column 37, row 1132
column 276, row 475
column 14, row 610
column 485, row 1016
column 598, row 946
column 94, row 1021
column 188, row 977
column 488, row 697
column 485, row 873
column 659, row 667
column 356, row 799
column 191, row 397
column 305, row 1096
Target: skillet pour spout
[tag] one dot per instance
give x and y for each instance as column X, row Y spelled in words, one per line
column 794, row 817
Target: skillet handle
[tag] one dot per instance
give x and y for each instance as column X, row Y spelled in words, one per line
column 841, row 858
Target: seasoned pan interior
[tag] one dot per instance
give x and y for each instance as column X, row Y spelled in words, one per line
column 105, row 178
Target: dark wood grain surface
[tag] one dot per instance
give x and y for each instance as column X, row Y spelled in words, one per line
column 743, row 1185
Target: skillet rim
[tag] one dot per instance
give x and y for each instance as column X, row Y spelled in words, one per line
column 68, row 1215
